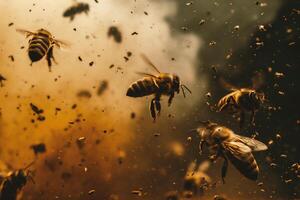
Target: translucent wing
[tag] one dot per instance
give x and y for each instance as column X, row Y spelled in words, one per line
column 241, row 157
column 25, row 32
column 61, row 43
column 146, row 74
column 150, row 63
column 255, row 145
column 237, row 148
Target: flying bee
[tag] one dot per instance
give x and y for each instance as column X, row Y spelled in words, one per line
column 13, row 183
column 196, row 181
column 242, row 100
column 41, row 44
column 162, row 84
column 76, row 9
column 238, row 149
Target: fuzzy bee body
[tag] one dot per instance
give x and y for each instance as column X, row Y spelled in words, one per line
column 223, row 142
column 41, row 45
column 241, row 101
column 143, row 87
column 163, row 84
column 13, row 182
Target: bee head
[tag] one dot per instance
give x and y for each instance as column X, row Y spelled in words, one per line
column 176, row 83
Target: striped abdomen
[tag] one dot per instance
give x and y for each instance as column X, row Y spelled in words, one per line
column 246, row 164
column 142, row 87
column 38, row 47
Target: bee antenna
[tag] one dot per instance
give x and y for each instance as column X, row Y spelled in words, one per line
column 185, row 87
column 182, row 88
column 29, row 165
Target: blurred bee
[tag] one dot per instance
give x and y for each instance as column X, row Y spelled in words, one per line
column 76, row 9
column 157, row 85
column 224, row 143
column 196, row 181
column 242, row 100
column 13, row 183
column 41, row 44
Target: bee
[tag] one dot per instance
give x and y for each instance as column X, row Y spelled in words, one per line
column 13, row 183
column 76, row 9
column 196, row 181
column 41, row 44
column 242, row 100
column 238, row 149
column 162, row 84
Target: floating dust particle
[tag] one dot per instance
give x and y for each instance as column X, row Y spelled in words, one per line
column 11, row 58
column 201, row 22
column 91, row 63
column 114, row 32
column 132, row 115
column 84, row 94
column 81, row 142
column 91, row 192
column 137, row 192
column 134, row 33
column 38, row 148
column 103, row 86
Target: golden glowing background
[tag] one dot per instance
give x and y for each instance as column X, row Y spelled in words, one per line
column 120, row 154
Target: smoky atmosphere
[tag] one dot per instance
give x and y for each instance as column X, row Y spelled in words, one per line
column 149, row 99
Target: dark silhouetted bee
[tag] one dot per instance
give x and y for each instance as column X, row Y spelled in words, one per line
column 41, row 44
column 224, row 143
column 196, row 181
column 242, row 100
column 114, row 32
column 76, row 9
column 161, row 84
column 14, row 182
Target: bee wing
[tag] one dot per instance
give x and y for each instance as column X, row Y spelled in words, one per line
column 25, row 32
column 146, row 74
column 255, row 145
column 147, row 60
column 237, row 148
column 242, row 158
column 61, row 43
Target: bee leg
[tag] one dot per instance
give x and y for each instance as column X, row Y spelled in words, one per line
column 157, row 104
column 201, row 147
column 170, row 99
column 224, row 169
column 152, row 109
column 252, row 117
column 49, row 57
